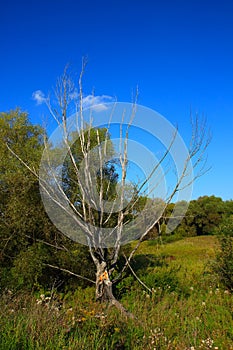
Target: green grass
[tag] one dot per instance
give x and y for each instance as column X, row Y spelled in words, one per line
column 191, row 254
column 187, row 309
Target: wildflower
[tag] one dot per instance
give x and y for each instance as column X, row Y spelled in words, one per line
column 101, row 316
column 191, row 288
column 73, row 321
column 156, row 330
column 208, row 342
column 203, row 303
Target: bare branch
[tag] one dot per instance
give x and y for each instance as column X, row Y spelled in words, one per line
column 70, row 272
column 135, row 275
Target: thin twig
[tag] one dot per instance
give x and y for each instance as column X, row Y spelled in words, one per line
column 70, row 272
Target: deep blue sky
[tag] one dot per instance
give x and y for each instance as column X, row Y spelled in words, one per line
column 179, row 53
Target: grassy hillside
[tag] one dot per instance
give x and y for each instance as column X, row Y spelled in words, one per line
column 192, row 254
column 186, row 309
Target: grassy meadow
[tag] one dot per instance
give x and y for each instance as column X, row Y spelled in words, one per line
column 185, row 308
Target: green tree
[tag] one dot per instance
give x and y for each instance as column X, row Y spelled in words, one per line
column 106, row 177
column 28, row 239
column 205, row 214
column 20, row 204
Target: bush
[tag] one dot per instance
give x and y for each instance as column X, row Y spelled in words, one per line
column 28, row 269
column 223, row 264
column 226, row 227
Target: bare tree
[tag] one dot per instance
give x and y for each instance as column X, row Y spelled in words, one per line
column 84, row 194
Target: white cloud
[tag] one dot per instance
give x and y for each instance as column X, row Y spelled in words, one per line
column 98, row 103
column 39, row 97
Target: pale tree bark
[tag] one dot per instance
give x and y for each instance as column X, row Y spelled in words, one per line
column 92, row 202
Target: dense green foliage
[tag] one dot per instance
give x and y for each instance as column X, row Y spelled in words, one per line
column 28, row 240
column 206, row 215
column 222, row 266
column 70, row 185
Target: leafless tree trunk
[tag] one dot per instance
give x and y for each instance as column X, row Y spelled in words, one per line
column 92, row 213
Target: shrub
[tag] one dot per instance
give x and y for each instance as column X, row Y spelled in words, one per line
column 226, row 227
column 223, row 264
column 27, row 271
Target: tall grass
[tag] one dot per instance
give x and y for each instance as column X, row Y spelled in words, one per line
column 187, row 309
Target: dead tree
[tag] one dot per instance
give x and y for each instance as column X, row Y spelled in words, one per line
column 85, row 201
